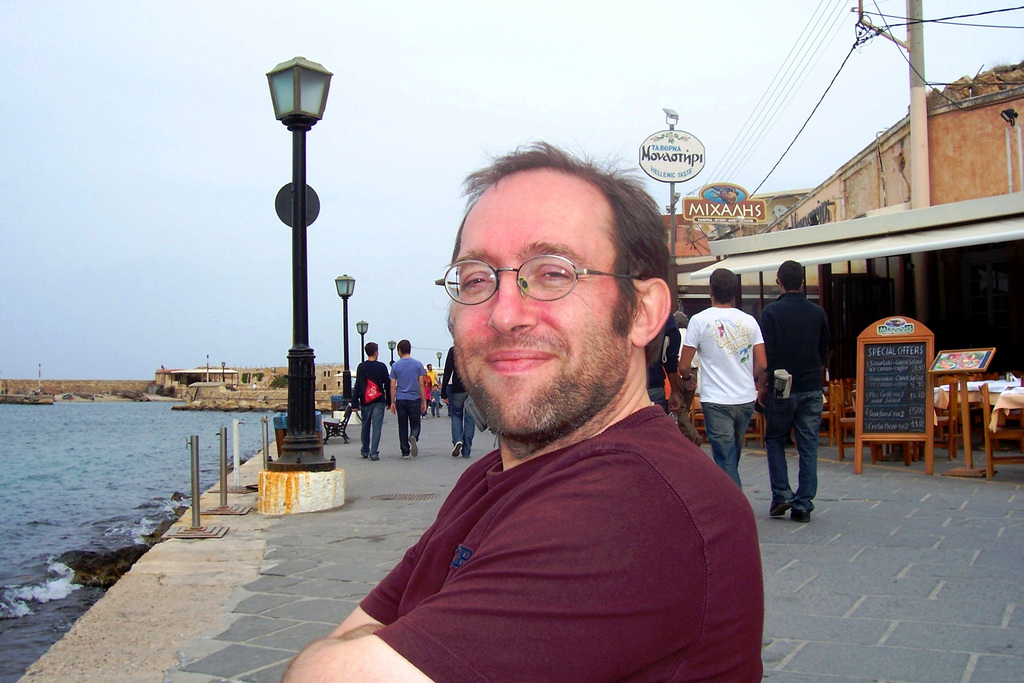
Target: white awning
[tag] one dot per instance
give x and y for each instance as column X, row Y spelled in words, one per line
column 817, row 248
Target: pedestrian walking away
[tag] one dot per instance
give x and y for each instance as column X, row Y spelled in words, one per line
column 372, row 396
column 687, row 385
column 463, row 425
column 732, row 358
column 408, row 389
column 796, row 340
column 595, row 543
column 665, row 368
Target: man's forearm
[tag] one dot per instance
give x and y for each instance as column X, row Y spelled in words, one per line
column 366, row 658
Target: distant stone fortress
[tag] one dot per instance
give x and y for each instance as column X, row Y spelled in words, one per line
column 214, row 388
column 78, row 387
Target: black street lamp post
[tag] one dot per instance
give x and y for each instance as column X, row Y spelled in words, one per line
column 392, row 345
column 346, row 285
column 438, row 360
column 299, row 89
column 361, row 327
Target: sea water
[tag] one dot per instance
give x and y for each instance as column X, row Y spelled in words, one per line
column 83, row 475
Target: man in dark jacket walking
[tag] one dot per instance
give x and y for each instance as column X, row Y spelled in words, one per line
column 796, row 341
column 463, row 425
column 372, row 396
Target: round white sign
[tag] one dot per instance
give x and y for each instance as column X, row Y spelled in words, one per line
column 672, row 156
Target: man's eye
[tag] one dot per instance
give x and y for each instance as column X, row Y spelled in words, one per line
column 553, row 275
column 474, row 279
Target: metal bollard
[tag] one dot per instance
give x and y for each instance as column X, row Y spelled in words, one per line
column 237, row 472
column 223, row 433
column 196, row 530
column 266, row 441
column 194, row 446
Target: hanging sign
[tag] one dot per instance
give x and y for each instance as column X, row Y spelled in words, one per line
column 724, row 203
column 672, row 156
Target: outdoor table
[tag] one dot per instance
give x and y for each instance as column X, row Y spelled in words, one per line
column 1010, row 399
column 996, row 388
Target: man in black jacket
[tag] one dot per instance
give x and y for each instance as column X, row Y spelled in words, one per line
column 796, row 340
column 463, row 425
column 371, row 396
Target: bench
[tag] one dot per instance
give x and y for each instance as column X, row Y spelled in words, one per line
column 334, row 427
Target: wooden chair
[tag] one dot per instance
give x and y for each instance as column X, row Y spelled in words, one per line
column 755, row 429
column 947, row 420
column 1000, row 434
column 697, row 418
column 826, row 421
column 842, row 418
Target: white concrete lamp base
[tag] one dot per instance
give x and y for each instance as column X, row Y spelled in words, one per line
column 289, row 493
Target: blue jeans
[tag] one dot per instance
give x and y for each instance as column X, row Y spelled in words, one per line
column 801, row 414
column 408, row 422
column 463, row 426
column 372, row 417
column 725, row 426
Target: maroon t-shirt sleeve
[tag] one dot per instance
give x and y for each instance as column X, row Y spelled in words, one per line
column 563, row 598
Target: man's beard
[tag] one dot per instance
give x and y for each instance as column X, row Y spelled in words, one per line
column 580, row 391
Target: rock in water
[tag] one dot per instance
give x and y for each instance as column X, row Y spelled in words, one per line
column 102, row 569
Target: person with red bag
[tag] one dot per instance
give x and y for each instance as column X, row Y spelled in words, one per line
column 371, row 397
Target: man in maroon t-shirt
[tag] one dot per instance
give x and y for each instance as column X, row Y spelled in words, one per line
column 596, row 543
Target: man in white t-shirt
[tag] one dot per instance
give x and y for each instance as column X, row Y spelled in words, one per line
column 732, row 359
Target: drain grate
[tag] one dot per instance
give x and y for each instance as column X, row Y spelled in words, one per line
column 405, row 496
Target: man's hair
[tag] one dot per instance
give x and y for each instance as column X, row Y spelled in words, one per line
column 405, row 347
column 371, row 348
column 723, row 286
column 638, row 232
column 791, row 275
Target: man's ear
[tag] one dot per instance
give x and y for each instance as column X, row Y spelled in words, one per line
column 652, row 312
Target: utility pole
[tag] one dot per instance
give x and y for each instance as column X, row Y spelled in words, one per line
column 920, row 178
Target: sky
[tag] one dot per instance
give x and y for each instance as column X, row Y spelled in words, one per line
column 141, row 156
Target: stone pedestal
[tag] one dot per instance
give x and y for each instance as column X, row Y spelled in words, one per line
column 288, row 493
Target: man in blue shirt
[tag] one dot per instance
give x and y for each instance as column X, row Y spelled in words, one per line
column 409, row 397
column 796, row 340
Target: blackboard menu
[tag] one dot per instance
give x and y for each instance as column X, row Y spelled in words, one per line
column 895, row 387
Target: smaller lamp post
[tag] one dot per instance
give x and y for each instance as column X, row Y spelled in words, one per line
column 346, row 284
column 361, row 327
column 439, row 361
column 391, row 345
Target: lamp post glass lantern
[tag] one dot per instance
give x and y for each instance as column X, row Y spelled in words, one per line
column 298, row 91
column 391, row 345
column 361, row 327
column 346, row 284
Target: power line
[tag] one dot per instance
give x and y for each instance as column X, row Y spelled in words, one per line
column 768, row 122
column 820, row 100
column 907, row 22
column 796, row 67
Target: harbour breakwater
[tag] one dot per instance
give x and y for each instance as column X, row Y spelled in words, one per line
column 77, row 387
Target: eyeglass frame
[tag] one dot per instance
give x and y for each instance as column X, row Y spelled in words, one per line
column 577, row 272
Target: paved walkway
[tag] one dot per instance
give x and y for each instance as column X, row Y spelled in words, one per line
column 899, row 577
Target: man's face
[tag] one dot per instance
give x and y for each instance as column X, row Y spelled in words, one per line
column 541, row 370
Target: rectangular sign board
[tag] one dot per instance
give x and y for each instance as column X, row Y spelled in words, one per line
column 894, row 397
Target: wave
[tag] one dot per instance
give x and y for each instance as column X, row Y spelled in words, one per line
column 15, row 601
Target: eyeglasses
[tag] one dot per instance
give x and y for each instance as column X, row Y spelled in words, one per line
column 544, row 278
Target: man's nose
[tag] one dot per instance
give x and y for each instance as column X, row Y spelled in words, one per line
column 513, row 309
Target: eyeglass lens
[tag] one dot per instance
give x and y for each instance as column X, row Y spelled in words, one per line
column 544, row 278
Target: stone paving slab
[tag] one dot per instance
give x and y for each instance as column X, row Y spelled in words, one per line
column 899, row 577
